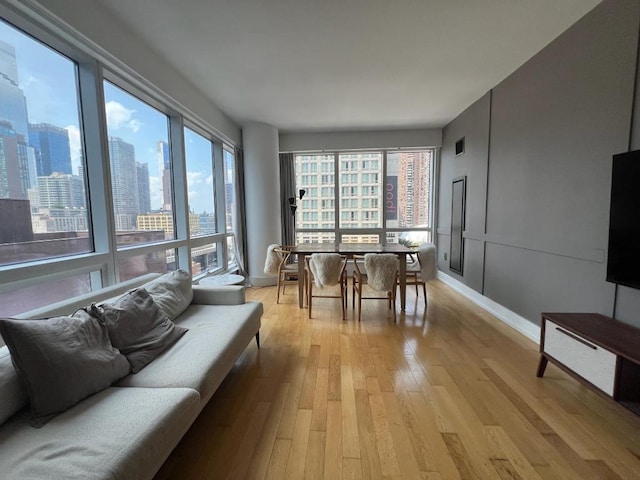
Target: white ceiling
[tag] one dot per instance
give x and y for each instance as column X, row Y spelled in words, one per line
column 318, row 65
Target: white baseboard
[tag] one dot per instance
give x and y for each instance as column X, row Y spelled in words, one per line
column 521, row 324
column 263, row 281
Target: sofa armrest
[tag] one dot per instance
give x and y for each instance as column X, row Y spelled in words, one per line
column 227, row 295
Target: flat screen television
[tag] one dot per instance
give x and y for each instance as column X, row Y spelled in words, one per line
column 623, row 260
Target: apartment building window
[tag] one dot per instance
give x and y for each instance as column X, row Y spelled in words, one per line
column 400, row 205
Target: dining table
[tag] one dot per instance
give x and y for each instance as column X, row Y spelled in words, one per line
column 349, row 250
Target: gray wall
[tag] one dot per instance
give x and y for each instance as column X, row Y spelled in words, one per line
column 537, row 159
column 306, row 141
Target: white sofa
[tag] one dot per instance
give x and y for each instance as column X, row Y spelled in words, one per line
column 129, row 429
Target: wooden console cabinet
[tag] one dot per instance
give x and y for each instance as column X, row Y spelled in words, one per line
column 596, row 349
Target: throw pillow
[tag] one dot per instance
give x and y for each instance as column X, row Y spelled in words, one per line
column 137, row 327
column 172, row 292
column 61, row 360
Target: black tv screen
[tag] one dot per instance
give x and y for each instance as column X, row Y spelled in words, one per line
column 623, row 260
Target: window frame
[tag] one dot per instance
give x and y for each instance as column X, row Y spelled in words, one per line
column 351, row 166
column 93, row 67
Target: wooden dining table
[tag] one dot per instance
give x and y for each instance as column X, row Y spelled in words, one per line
column 349, row 250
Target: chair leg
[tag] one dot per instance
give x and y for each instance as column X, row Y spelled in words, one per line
column 278, row 285
column 309, row 293
column 343, row 300
column 359, row 302
column 393, row 302
column 353, row 293
column 424, row 291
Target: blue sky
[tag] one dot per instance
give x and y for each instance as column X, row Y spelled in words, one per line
column 48, row 82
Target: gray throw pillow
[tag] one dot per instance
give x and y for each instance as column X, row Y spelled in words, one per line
column 61, row 360
column 172, row 292
column 138, row 327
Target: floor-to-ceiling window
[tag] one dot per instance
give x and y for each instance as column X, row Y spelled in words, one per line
column 96, row 192
column 368, row 196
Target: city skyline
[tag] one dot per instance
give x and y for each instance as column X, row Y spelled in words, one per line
column 48, row 81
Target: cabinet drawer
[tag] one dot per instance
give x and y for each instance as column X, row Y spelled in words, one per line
column 592, row 362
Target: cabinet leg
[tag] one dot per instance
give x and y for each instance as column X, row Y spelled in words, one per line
column 542, row 366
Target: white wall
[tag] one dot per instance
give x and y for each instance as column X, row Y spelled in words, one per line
column 262, row 195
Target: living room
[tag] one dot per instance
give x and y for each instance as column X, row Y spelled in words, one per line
column 536, row 155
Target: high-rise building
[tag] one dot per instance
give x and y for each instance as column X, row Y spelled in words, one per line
column 13, row 103
column 164, row 168
column 144, row 194
column 413, row 188
column 124, row 183
column 53, row 152
column 61, row 190
column 14, row 163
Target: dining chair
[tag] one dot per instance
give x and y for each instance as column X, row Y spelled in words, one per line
column 423, row 268
column 277, row 263
column 380, row 274
column 324, row 270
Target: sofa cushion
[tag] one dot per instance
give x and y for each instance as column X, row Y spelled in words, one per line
column 61, row 360
column 172, row 292
column 13, row 396
column 201, row 359
column 119, row 433
column 137, row 327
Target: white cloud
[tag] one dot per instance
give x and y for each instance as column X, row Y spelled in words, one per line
column 209, row 180
column 194, row 178
column 155, row 191
column 76, row 147
column 118, row 117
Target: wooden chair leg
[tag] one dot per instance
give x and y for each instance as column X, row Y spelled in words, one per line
column 359, row 302
column 353, row 293
column 278, row 285
column 393, row 301
column 343, row 300
column 424, row 292
column 309, row 293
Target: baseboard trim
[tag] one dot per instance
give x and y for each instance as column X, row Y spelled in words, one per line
column 263, row 281
column 515, row 321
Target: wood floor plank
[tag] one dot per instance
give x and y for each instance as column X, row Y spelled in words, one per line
column 314, row 462
column 370, row 460
column 333, row 441
column 298, row 455
column 350, row 437
column 278, row 461
column 262, row 454
column 320, row 399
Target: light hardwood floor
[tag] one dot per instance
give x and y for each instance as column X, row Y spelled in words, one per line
column 446, row 393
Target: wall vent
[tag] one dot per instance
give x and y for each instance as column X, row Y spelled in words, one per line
column 460, row 147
